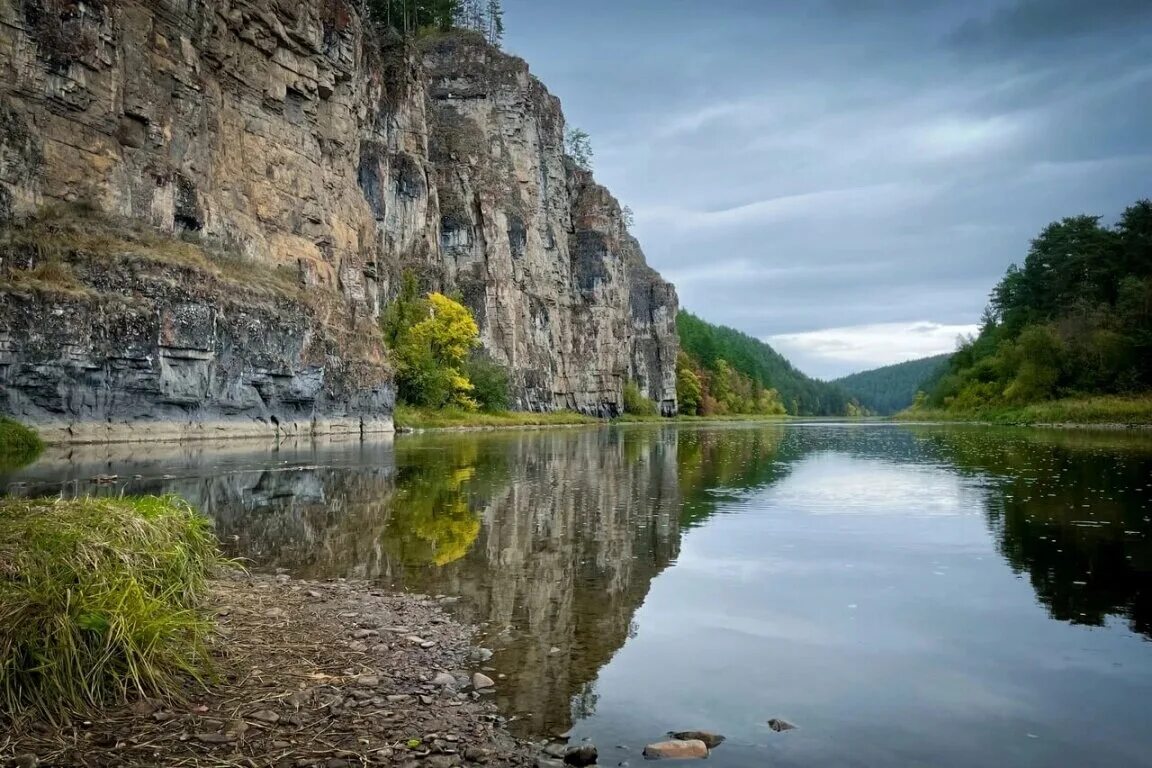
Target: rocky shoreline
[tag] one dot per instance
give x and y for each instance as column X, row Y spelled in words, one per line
column 310, row 675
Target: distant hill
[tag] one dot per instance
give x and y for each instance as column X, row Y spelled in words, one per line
column 892, row 388
column 713, row 353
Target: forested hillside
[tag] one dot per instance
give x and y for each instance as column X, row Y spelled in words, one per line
column 1075, row 319
column 886, row 390
column 722, row 370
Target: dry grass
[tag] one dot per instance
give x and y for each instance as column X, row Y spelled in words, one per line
column 43, row 249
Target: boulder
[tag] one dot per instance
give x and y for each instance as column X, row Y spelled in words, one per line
column 581, row 755
column 444, row 680
column 676, row 749
column 481, row 681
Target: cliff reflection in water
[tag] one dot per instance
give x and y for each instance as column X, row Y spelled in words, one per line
column 550, row 538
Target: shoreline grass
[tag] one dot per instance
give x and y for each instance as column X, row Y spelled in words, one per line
column 410, row 418
column 19, row 445
column 1099, row 410
column 101, row 599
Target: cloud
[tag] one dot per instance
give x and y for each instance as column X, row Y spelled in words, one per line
column 876, row 199
column 1043, row 22
column 850, row 164
column 838, row 351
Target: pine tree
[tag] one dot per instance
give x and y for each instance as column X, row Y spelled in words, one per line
column 495, row 23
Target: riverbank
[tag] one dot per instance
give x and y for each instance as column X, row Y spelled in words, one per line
column 1102, row 411
column 409, row 419
column 331, row 674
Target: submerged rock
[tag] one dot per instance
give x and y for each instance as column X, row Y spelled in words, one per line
column 581, row 755
column 676, row 749
column 711, row 740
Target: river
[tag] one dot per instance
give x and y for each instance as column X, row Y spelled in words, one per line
column 904, row 595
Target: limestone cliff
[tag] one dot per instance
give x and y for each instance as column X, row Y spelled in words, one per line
column 285, row 140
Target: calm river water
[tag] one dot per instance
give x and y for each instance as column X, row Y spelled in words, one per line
column 905, row 595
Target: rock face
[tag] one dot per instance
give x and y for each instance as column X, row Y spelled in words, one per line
column 540, row 251
column 279, row 134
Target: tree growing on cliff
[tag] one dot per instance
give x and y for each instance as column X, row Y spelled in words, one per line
column 410, row 16
column 578, row 145
column 495, row 31
column 628, row 216
column 487, row 18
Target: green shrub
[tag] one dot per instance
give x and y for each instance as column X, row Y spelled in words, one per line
column 18, row 444
column 489, row 383
column 101, row 598
column 635, row 403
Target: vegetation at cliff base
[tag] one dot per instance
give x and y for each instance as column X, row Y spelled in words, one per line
column 410, row 417
column 884, row 391
column 100, row 599
column 636, row 403
column 433, row 338
column 18, row 444
column 1075, row 320
column 723, row 371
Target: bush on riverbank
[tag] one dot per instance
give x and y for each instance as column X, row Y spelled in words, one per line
column 101, row 598
column 18, row 444
column 635, row 403
column 1104, row 409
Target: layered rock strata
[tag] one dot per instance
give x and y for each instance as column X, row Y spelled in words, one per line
column 284, row 137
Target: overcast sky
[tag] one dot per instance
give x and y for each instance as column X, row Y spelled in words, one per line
column 847, row 179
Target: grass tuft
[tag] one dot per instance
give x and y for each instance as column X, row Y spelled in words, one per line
column 101, row 599
column 18, row 444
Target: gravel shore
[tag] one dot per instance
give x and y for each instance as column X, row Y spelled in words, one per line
column 329, row 674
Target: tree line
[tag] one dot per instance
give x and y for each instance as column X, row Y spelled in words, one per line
column 721, row 370
column 410, row 17
column 1075, row 318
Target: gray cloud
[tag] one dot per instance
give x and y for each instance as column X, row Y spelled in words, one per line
column 797, row 167
column 1018, row 26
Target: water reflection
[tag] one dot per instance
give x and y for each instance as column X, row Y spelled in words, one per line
column 1071, row 509
column 555, row 540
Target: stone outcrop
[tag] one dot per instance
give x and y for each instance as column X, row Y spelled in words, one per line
column 283, row 136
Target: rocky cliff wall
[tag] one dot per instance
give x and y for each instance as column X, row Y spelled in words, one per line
column 279, row 134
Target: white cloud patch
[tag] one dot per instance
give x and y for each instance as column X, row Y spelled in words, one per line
column 834, row 352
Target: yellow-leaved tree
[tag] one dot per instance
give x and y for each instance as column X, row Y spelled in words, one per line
column 431, row 338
